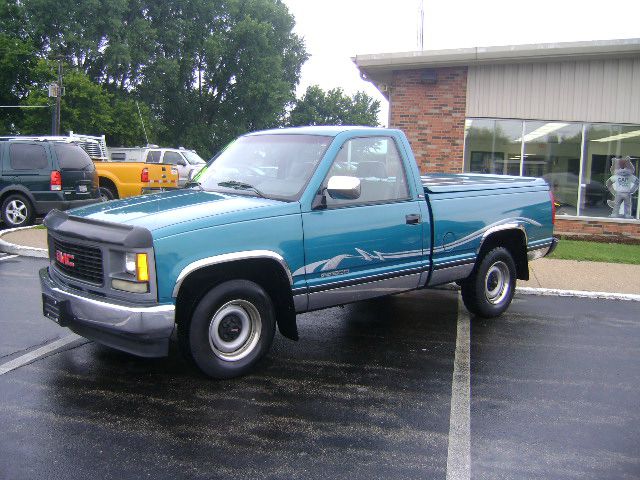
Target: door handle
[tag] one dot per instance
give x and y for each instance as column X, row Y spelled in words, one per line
column 413, row 219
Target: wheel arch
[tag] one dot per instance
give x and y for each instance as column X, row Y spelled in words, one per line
column 107, row 182
column 267, row 269
column 513, row 237
column 17, row 189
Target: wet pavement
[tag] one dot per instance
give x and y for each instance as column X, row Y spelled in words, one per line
column 365, row 393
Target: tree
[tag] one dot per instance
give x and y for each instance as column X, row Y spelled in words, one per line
column 16, row 60
column 334, row 108
column 208, row 69
column 86, row 108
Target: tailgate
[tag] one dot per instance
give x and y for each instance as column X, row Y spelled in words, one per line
column 162, row 176
column 77, row 172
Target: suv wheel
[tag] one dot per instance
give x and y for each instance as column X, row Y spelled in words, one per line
column 17, row 211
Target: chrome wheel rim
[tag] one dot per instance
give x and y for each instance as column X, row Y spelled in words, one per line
column 497, row 283
column 234, row 330
column 16, row 212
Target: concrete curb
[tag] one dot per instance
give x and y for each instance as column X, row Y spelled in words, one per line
column 20, row 249
column 556, row 292
column 578, row 293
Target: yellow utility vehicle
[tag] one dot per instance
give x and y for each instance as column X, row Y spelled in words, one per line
column 125, row 179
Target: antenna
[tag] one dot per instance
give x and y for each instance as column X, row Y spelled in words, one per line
column 421, row 26
column 142, row 121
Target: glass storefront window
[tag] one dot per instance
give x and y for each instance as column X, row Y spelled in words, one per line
column 492, row 146
column 603, row 144
column 574, row 158
column 552, row 151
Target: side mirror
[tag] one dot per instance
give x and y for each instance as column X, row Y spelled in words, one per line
column 182, row 163
column 343, row 188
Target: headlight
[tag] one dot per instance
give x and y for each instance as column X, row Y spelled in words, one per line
column 136, row 265
column 130, row 263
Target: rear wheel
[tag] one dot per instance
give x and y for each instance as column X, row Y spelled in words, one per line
column 231, row 329
column 489, row 290
column 17, row 211
column 106, row 194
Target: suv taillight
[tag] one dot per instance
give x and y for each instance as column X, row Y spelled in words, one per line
column 56, row 181
column 553, row 208
column 144, row 175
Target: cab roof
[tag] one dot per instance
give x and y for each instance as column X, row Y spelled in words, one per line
column 324, row 130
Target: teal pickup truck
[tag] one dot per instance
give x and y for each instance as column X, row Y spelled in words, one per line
column 284, row 222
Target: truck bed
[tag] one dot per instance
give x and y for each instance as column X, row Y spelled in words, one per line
column 463, row 182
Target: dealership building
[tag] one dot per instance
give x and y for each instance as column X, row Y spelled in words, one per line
column 559, row 111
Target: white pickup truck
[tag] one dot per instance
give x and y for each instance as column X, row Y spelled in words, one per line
column 188, row 162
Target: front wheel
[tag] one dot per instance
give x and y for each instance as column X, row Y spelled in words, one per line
column 490, row 289
column 231, row 328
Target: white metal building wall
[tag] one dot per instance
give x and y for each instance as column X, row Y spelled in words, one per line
column 588, row 91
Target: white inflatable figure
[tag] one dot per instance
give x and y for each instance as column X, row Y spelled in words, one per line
column 622, row 184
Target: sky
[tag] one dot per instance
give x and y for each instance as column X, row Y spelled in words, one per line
column 337, row 30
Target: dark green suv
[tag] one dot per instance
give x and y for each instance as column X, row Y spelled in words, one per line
column 38, row 176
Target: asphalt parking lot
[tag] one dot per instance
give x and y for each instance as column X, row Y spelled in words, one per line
column 372, row 390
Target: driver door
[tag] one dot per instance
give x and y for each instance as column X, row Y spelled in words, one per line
column 368, row 246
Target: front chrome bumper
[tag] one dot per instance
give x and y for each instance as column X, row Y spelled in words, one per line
column 140, row 330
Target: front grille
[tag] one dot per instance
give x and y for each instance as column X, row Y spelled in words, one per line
column 80, row 261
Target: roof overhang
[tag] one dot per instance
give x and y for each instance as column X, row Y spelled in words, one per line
column 378, row 68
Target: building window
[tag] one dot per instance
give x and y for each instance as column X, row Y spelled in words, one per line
column 574, row 158
column 493, row 146
column 552, row 151
column 604, row 143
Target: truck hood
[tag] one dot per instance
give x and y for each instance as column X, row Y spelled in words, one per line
column 171, row 212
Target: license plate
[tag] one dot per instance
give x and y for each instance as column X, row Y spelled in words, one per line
column 51, row 308
column 82, row 188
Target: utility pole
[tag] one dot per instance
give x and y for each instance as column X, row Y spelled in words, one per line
column 58, row 97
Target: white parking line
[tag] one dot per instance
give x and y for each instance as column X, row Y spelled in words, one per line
column 37, row 353
column 578, row 293
column 459, row 451
column 8, row 258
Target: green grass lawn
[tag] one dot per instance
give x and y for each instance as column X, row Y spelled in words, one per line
column 597, row 252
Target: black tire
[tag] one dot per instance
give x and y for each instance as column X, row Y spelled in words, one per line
column 231, row 329
column 490, row 288
column 17, row 211
column 106, row 194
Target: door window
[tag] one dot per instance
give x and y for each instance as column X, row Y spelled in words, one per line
column 173, row 158
column 26, row 156
column 153, row 156
column 377, row 163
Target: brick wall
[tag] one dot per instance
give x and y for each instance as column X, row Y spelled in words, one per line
column 616, row 230
column 432, row 115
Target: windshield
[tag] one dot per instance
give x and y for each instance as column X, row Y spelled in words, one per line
column 193, row 158
column 270, row 165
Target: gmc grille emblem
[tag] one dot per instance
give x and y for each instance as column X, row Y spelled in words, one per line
column 65, row 258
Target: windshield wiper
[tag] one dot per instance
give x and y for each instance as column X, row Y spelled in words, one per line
column 194, row 184
column 241, row 186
